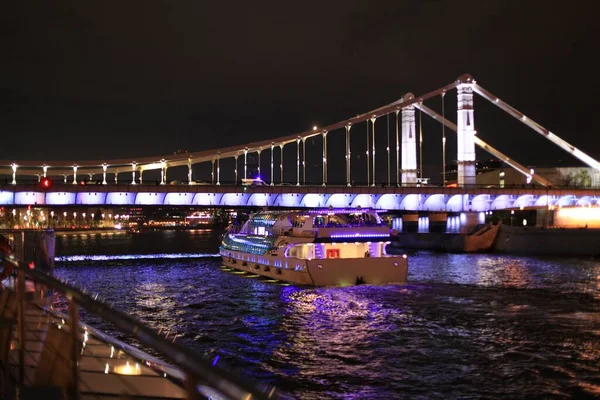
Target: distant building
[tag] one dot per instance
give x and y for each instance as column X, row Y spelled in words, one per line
column 576, row 177
column 481, row 167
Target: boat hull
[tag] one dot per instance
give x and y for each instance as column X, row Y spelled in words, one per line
column 321, row 272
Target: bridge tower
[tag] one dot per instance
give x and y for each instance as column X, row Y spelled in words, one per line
column 409, row 143
column 466, row 132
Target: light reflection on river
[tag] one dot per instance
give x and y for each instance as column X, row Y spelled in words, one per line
column 466, row 326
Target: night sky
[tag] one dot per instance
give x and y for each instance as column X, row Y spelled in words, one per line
column 97, row 79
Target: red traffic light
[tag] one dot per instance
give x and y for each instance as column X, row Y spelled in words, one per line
column 46, row 182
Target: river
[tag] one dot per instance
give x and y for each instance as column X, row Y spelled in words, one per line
column 465, row 326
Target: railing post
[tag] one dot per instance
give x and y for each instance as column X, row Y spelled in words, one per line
column 21, row 328
column 304, row 161
column 190, row 384
column 236, row 169
column 324, row 134
column 373, row 151
column 74, row 325
column 218, row 168
column 281, row 163
column 259, row 151
column 348, row 175
column 298, row 161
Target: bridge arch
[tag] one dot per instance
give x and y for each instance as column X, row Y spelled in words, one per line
column 7, row 197
column 61, row 198
column 207, row 199
column 287, row 200
column 364, row 200
column 435, row 202
column 411, row 202
column 179, row 199
column 90, row 198
column 455, row 203
column 120, row 198
column 525, row 200
column 26, row 198
column 481, row 202
column 313, row 200
column 544, row 201
column 502, row 202
column 150, row 199
column 389, row 201
column 340, row 200
column 230, row 199
column 586, row 201
column 259, row 200
column 566, row 201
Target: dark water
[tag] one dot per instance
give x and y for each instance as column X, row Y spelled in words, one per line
column 467, row 326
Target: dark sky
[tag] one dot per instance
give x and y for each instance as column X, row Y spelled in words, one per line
column 109, row 79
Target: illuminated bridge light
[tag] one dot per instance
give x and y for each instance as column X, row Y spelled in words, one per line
column 342, row 210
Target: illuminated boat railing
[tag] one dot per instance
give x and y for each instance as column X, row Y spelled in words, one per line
column 199, row 371
column 351, row 225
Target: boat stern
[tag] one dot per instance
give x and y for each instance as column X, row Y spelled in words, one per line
column 352, row 271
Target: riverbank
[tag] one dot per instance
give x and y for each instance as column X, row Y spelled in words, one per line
column 62, row 231
column 584, row 242
column 548, row 241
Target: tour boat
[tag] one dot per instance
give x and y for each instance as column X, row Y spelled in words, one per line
column 320, row 247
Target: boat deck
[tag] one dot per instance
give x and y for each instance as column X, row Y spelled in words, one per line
column 105, row 370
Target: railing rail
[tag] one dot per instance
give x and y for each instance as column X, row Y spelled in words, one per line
column 195, row 366
column 33, row 185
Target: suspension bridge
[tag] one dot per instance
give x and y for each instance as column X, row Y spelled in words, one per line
column 121, row 181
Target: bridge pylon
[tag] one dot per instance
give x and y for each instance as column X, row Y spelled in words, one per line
column 466, row 132
column 409, row 143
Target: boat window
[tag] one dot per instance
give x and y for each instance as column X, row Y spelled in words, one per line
column 249, row 244
column 345, row 220
column 298, row 221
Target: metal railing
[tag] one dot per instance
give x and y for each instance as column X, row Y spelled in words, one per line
column 195, row 367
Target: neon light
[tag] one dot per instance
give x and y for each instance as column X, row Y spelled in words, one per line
column 132, row 257
column 359, row 235
column 342, row 211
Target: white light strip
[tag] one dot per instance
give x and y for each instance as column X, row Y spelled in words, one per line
column 132, row 256
column 359, row 235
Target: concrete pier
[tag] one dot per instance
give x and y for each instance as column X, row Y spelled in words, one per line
column 410, row 222
column 438, row 222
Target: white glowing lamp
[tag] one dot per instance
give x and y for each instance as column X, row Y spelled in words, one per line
column 127, row 369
